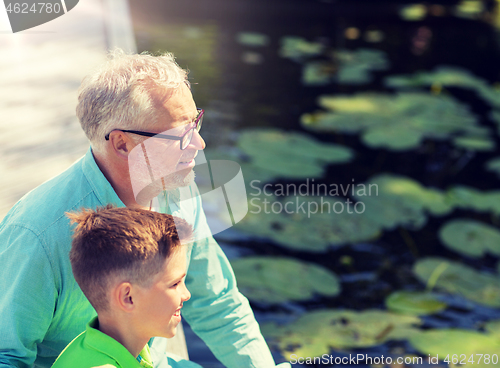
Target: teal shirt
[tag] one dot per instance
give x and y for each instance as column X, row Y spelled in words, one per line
column 93, row 348
column 42, row 307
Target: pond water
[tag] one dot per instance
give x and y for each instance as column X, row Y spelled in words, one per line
column 335, row 96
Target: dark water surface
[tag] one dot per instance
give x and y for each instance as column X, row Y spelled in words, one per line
column 242, row 86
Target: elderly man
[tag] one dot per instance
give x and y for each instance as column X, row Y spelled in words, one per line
column 131, row 98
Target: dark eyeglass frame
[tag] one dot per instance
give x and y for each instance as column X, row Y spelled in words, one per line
column 197, row 125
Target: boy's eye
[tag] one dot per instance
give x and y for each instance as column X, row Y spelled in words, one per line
column 178, row 282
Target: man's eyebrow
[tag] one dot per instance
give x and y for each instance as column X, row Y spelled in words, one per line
column 196, row 112
column 190, row 117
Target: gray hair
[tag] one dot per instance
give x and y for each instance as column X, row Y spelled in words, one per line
column 124, row 93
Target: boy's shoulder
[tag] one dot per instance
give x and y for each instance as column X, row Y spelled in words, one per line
column 93, row 349
column 78, row 354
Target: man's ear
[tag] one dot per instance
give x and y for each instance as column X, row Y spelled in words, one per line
column 121, row 143
column 123, row 296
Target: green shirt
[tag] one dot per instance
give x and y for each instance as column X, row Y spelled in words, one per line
column 92, row 348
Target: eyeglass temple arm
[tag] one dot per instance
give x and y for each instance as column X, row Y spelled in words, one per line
column 158, row 135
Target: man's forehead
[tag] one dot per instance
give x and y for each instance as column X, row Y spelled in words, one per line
column 168, row 96
column 177, row 105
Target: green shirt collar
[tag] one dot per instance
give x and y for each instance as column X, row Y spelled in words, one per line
column 109, row 346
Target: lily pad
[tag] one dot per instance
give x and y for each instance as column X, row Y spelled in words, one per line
column 469, row 9
column 329, row 222
column 474, row 199
column 390, row 215
column 252, row 175
column 467, row 198
column 495, row 116
column 472, row 143
column 374, row 36
column 413, row 12
column 447, row 76
column 345, row 67
column 396, row 122
column 291, row 155
column 266, row 154
column 402, row 201
column 414, row 303
column 252, row 39
column 318, row 73
column 279, row 279
column 493, row 328
column 355, row 66
column 298, row 48
column 457, row 278
column 464, row 344
column 470, row 237
column 316, row 333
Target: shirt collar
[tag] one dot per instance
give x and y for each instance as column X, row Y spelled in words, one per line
column 100, row 185
column 112, row 348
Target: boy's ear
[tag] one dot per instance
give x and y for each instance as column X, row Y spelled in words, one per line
column 123, row 296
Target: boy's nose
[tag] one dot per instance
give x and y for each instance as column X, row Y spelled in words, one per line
column 186, row 295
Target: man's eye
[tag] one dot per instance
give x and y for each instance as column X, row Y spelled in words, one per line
column 176, row 284
column 179, row 131
column 187, row 127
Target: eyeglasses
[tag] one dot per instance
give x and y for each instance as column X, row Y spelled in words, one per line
column 185, row 139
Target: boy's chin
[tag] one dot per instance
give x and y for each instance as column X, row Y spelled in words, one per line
column 171, row 333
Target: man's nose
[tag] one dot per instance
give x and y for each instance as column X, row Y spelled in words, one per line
column 197, row 141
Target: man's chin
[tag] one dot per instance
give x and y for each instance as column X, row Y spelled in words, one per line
column 182, row 178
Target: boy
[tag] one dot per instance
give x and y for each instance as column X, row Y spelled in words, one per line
column 131, row 266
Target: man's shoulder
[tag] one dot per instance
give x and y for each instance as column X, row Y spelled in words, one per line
column 47, row 203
